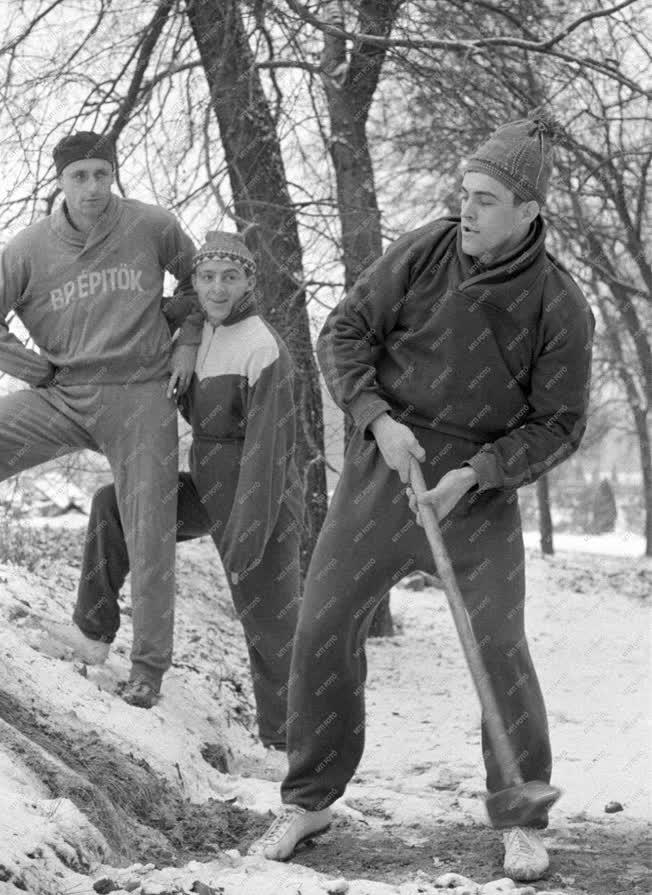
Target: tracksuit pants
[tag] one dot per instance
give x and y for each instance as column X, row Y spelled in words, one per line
column 135, row 426
column 369, row 541
column 266, row 600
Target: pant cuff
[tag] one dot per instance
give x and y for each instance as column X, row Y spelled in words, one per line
column 141, row 672
column 103, row 637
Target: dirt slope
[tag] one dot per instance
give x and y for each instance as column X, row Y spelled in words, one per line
column 88, row 785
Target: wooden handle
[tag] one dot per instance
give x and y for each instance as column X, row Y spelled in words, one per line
column 501, row 745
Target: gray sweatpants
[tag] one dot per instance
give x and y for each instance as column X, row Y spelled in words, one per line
column 266, row 600
column 135, row 426
column 369, row 541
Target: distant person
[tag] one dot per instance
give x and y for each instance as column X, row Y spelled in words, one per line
column 87, row 283
column 243, row 486
column 466, row 347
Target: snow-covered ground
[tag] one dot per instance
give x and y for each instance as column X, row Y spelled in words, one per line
column 613, row 543
column 415, row 809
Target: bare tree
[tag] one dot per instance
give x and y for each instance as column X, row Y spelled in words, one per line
column 450, row 72
column 545, row 518
column 599, row 204
column 350, row 81
column 260, row 196
column 181, row 93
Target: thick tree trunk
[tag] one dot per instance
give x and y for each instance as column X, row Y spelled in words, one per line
column 637, row 382
column 260, row 195
column 350, row 82
column 545, row 519
column 643, row 432
column 638, row 404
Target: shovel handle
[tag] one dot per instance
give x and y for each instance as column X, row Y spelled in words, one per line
column 497, row 735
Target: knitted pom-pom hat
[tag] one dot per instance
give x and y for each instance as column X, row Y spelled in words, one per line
column 220, row 245
column 519, row 155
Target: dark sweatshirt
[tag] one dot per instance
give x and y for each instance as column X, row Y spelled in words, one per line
column 499, row 356
column 241, row 408
column 94, row 304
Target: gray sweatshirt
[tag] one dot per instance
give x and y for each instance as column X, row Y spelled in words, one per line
column 94, row 304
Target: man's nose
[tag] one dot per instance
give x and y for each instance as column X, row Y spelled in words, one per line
column 467, row 210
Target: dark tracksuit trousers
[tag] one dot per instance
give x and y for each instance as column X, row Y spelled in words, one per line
column 266, row 599
column 135, row 426
column 369, row 541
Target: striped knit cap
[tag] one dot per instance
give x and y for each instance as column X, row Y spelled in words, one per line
column 519, row 155
column 220, row 245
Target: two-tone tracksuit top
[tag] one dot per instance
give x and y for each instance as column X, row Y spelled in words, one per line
column 94, row 303
column 241, row 408
column 500, row 356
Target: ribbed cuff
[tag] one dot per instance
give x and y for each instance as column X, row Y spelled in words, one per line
column 485, row 466
column 366, row 408
column 190, row 333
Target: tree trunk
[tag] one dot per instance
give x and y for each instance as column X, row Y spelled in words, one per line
column 350, row 84
column 643, row 432
column 545, row 519
column 637, row 382
column 638, row 405
column 260, row 194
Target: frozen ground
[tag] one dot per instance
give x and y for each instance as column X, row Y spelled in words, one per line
column 614, row 543
column 414, row 811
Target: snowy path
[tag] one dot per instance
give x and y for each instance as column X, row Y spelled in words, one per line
column 415, row 809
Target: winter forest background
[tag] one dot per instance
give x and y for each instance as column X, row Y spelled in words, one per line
column 322, row 130
column 325, row 129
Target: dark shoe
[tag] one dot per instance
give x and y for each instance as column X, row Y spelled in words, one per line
column 139, row 692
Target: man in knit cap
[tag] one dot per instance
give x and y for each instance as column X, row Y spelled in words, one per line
column 467, row 347
column 87, row 283
column 243, row 487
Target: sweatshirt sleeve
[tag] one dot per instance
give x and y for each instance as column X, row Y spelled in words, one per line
column 15, row 359
column 182, row 309
column 268, row 445
column 353, row 336
column 557, row 407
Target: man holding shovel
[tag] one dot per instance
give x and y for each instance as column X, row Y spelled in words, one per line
column 467, row 348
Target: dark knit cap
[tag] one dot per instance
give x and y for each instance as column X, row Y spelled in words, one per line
column 220, row 245
column 519, row 155
column 82, row 145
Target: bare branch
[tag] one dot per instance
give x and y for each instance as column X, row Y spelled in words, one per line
column 596, row 14
column 151, row 36
column 471, row 46
column 12, row 44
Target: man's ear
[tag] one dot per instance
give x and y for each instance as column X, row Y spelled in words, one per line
column 530, row 210
column 251, row 283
